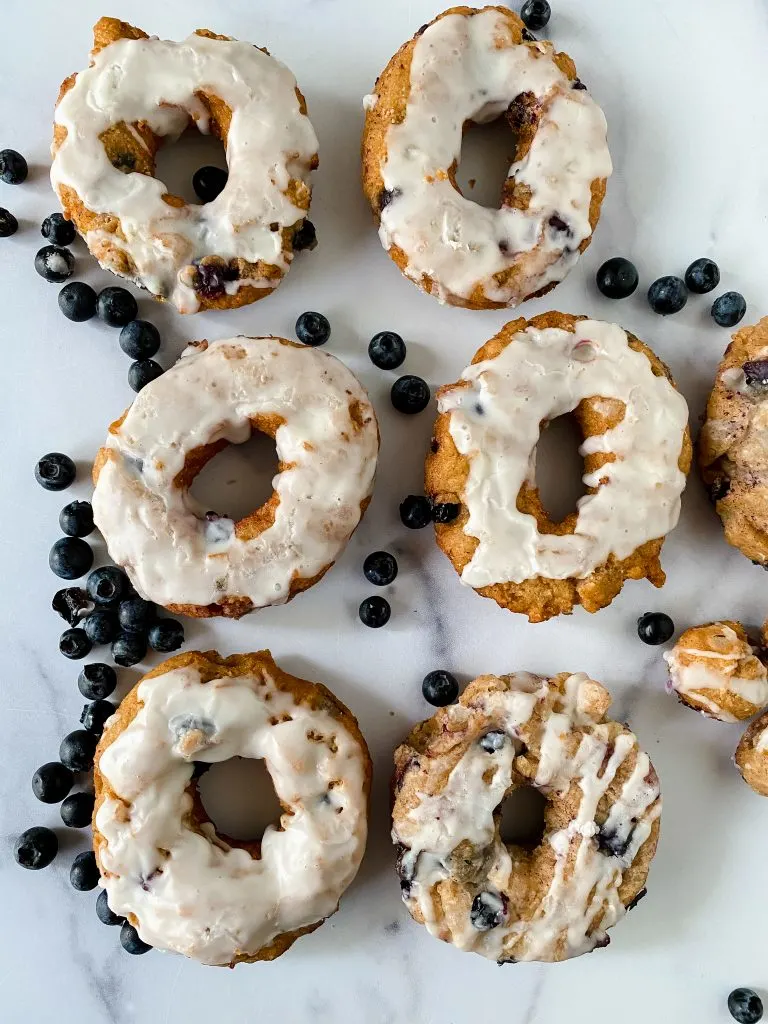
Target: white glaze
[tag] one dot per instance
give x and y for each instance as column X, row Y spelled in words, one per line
column 207, row 900
column 157, row 531
column 269, row 142
column 761, row 744
column 458, row 74
column 537, row 377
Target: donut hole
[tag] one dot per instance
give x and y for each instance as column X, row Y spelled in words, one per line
column 521, row 817
column 487, row 153
column 560, row 467
column 239, row 798
column 176, row 163
column 239, row 478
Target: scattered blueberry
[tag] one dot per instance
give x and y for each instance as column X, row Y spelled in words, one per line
column 54, row 264
column 58, row 230
column 745, row 1006
column 535, row 14
column 136, row 615
column 84, row 873
column 166, row 635
column 415, row 512
column 305, row 237
column 76, row 519
column 116, row 306
column 655, row 628
column 130, row 941
column 70, row 558
column 107, row 585
column 493, row 741
column 75, row 644
column 386, row 350
column 313, row 329
column 101, row 626
column 617, row 278
column 143, row 372
column 440, row 688
column 702, row 276
column 139, row 339
column 488, row 911
column 129, row 649
column 728, row 309
column 445, row 512
column 97, row 681
column 77, row 750
column 95, row 715
column 51, row 782
column 374, row 612
column 77, row 301
column 77, row 810
column 13, row 167
column 380, row 568
column 55, row 472
column 208, row 183
column 8, row 223
column 71, row 604
column 104, row 914
column 410, row 394
column 756, row 374
column 36, row 848
column 667, row 295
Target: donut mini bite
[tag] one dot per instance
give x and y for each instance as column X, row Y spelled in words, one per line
column 471, row 66
column 636, row 451
column 185, row 887
column 203, row 563
column 505, row 901
column 752, row 755
column 139, row 92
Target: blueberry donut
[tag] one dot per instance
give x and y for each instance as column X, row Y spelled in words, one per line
column 558, row 898
column 717, row 670
column 139, row 92
column 733, row 454
column 181, row 884
column 636, row 452
column 470, row 67
column 752, row 755
column 203, row 563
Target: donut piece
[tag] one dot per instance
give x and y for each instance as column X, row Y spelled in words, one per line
column 469, row 67
column 139, row 92
column 183, row 886
column 636, row 452
column 601, row 818
column 203, row 563
column 733, row 454
column 752, row 755
column 715, row 669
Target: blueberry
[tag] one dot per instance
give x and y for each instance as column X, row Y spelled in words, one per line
column 8, row 223
column 208, row 182
column 305, row 237
column 655, row 628
column 101, row 626
column 139, row 339
column 130, row 941
column 76, row 519
column 129, row 649
column 70, row 558
column 756, row 374
column 488, row 911
column 71, row 603
column 415, row 512
column 410, row 394
column 667, row 295
column 54, row 264
column 386, row 350
column 440, row 688
column 728, row 309
column 745, row 1006
column 13, row 167
column 104, row 914
column 77, row 750
column 388, row 195
column 702, row 276
column 445, row 512
column 559, row 226
column 136, row 615
column 380, row 568
column 51, row 782
column 94, row 716
column 77, row 301
column 75, row 644
column 58, row 230
column 36, row 848
column 77, row 810
column 107, row 585
column 116, row 306
column 617, row 278
column 313, row 329
column 55, row 472
column 212, row 276
column 143, row 372
column 374, row 612
column 493, row 741
column 612, row 843
column 84, row 873
column 166, row 635
column 535, row 14
column 97, row 681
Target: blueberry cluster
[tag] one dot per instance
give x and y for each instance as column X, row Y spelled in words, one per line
column 13, row 171
column 416, row 511
column 380, row 569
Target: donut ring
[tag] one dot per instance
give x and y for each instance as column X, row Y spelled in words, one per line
column 733, row 457
column 468, row 67
column 752, row 755
column 183, row 886
column 601, row 820
column 112, row 118
column 205, row 564
column 636, row 450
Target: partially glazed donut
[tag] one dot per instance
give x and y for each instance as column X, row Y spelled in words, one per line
column 752, row 755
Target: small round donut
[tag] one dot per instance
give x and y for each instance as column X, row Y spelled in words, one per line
column 636, row 450
column 752, row 755
column 715, row 669
column 203, row 563
column 184, row 886
column 733, row 455
column 469, row 67
column 139, row 92
column 601, row 819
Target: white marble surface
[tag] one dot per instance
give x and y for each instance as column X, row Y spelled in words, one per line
column 684, row 88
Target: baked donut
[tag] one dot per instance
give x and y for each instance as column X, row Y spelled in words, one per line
column 139, row 92
column 181, row 884
column 715, row 669
column 469, row 67
column 752, row 755
column 203, row 563
column 733, row 454
column 601, row 819
column 636, row 452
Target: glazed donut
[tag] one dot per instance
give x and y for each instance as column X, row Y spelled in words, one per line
column 636, row 452
column 752, row 755
column 218, row 393
column 183, row 886
column 506, row 902
column 733, row 456
column 715, row 669
column 140, row 91
column 470, row 67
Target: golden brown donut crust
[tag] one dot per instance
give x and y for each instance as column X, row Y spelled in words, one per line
column 752, row 763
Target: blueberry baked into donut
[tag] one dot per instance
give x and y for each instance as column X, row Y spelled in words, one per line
column 139, row 92
column 468, row 67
